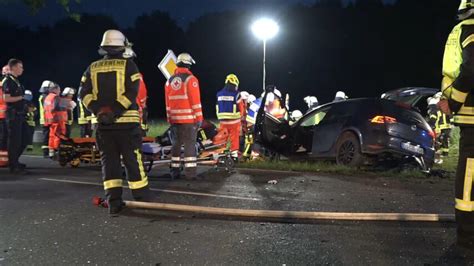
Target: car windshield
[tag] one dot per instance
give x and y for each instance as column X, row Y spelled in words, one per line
column 315, row 118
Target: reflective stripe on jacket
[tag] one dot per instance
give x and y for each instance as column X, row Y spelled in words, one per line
column 53, row 112
column 226, row 107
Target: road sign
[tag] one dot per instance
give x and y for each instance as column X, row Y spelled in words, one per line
column 168, row 64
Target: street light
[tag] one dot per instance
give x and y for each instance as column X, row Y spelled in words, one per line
column 264, row 29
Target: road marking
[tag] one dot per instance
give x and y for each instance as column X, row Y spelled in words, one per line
column 158, row 190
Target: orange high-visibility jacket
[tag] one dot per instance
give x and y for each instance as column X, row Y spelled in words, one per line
column 3, row 105
column 53, row 112
column 183, row 98
column 142, row 93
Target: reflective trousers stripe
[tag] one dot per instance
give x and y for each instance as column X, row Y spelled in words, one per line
column 466, row 204
column 143, row 178
column 113, row 183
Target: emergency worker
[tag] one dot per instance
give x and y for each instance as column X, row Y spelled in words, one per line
column 340, row 96
column 458, row 100
column 30, row 118
column 68, row 94
column 184, row 113
column 84, row 120
column 3, row 113
column 109, row 89
column 230, row 110
column 312, row 103
column 44, row 91
column 55, row 116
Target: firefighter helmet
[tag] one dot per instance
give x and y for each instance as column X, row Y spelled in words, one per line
column 466, row 9
column 251, row 98
column 129, row 53
column 186, row 59
column 232, row 79
column 341, row 95
column 68, row 91
column 113, row 38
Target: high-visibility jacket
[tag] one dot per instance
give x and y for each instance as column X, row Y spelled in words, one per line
column 30, row 119
column 457, row 73
column 227, row 107
column 41, row 108
column 183, row 99
column 112, row 82
column 253, row 111
column 53, row 111
column 3, row 105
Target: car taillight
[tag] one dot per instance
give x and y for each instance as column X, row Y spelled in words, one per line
column 382, row 119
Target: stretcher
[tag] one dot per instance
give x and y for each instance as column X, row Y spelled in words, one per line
column 211, row 146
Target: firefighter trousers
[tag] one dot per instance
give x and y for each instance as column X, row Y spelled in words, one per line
column 56, row 132
column 463, row 188
column 45, row 144
column 122, row 145
column 444, row 139
column 184, row 135
column 3, row 135
column 17, row 138
column 234, row 128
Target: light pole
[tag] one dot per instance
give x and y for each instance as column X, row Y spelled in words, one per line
column 264, row 29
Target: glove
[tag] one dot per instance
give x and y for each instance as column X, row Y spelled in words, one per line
column 105, row 116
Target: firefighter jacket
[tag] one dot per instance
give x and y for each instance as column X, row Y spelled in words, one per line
column 458, row 72
column 3, row 105
column 112, row 83
column 183, row 99
column 84, row 116
column 253, row 111
column 54, row 110
column 30, row 115
column 228, row 105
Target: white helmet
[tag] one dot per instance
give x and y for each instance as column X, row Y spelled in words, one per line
column 251, row 98
column 296, row 115
column 129, row 53
column 310, row 100
column 113, row 38
column 277, row 92
column 341, row 94
column 244, row 95
column 68, row 91
column 47, row 84
column 432, row 100
column 438, row 95
column 185, row 58
column 28, row 92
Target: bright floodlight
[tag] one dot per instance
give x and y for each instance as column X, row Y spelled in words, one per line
column 265, row 28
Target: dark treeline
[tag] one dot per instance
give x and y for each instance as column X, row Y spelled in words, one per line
column 363, row 49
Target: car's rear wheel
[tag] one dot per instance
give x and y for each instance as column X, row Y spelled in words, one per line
column 348, row 150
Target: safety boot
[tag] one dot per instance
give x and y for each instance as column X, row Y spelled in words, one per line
column 115, row 206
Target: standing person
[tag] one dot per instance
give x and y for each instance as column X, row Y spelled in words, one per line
column 433, row 115
column 443, row 129
column 44, row 91
column 68, row 95
column 30, row 118
column 3, row 113
column 16, row 112
column 230, row 109
column 84, row 120
column 109, row 89
column 55, row 115
column 457, row 86
column 184, row 113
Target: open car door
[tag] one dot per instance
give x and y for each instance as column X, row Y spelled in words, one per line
column 271, row 132
column 414, row 96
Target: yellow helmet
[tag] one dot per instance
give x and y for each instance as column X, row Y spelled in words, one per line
column 465, row 5
column 231, row 78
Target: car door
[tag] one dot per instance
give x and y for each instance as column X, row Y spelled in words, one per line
column 327, row 131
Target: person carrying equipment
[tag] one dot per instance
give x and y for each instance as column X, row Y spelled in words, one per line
column 109, row 89
column 184, row 113
column 230, row 110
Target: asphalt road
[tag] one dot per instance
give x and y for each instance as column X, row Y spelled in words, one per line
column 47, row 218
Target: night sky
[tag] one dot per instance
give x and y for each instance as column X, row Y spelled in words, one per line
column 125, row 11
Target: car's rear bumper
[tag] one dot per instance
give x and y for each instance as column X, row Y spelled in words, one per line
column 393, row 145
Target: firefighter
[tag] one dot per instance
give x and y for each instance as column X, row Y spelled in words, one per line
column 458, row 73
column 14, row 95
column 184, row 113
column 30, row 118
column 434, row 113
column 230, row 109
column 84, row 120
column 109, row 89
column 55, row 116
column 443, row 129
column 68, row 95
column 3, row 113
column 142, row 94
column 340, row 96
column 44, row 91
column 312, row 102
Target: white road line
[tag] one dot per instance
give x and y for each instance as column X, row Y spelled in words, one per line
column 159, row 190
